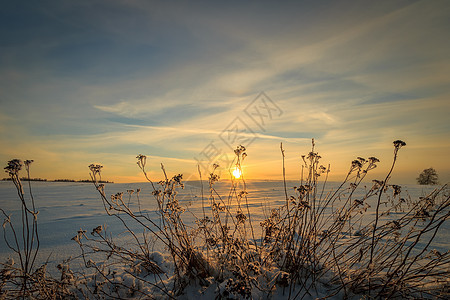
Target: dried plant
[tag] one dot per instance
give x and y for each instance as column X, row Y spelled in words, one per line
column 23, row 279
column 322, row 242
column 316, row 239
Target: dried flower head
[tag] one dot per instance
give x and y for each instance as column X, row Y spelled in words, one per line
column 13, row 167
column 142, row 159
column 399, row 143
column 303, row 190
column 177, row 178
column 312, row 155
column 356, row 164
column 213, row 178
column 79, row 236
column 117, row 196
column 97, row 230
column 240, row 217
column 240, row 150
column 373, row 160
column 95, row 168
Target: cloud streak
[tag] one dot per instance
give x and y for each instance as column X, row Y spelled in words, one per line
column 117, row 78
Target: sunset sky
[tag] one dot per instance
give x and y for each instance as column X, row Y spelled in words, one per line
column 103, row 81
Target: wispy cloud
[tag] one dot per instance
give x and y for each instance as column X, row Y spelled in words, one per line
column 167, row 78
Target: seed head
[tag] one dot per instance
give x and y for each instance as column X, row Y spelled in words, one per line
column 373, row 160
column 399, row 143
column 361, row 159
column 240, row 150
column 13, row 167
column 95, row 168
column 142, row 159
column 356, row 164
column 97, row 230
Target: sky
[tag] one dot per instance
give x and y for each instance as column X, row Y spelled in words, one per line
column 185, row 82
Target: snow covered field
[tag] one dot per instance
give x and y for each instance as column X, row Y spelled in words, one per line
column 65, row 208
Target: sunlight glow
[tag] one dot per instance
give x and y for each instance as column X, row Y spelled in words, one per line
column 237, row 173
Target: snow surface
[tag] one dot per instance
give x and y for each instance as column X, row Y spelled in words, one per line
column 65, row 208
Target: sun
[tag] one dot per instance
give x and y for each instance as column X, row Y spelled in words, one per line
column 237, row 173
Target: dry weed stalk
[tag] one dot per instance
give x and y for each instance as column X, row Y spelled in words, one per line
column 24, row 280
column 315, row 239
column 321, row 242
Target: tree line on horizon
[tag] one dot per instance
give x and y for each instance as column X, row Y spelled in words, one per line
column 57, row 180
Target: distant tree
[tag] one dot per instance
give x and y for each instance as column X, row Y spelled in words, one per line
column 428, row 176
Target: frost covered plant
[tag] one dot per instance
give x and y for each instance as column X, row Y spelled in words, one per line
column 169, row 229
column 20, row 278
column 95, row 171
column 13, row 167
column 322, row 242
column 26, row 245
